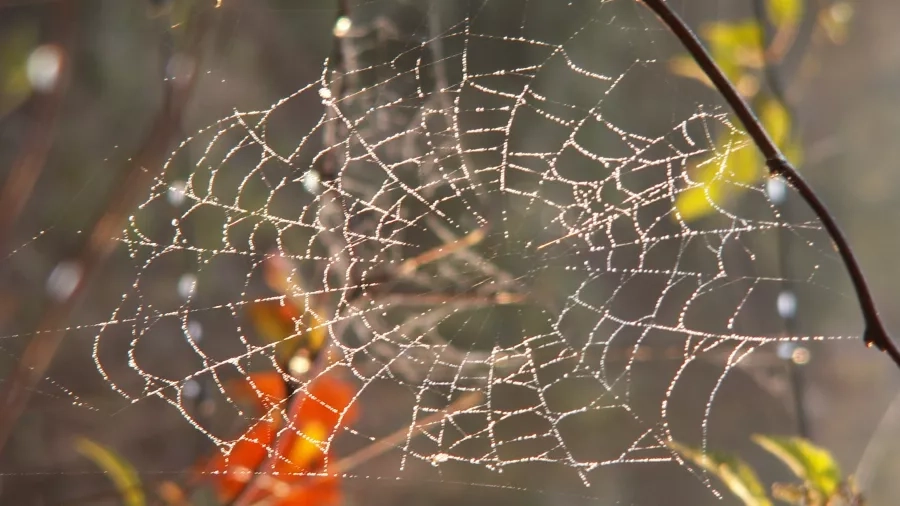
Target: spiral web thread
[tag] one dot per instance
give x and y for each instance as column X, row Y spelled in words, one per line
column 498, row 253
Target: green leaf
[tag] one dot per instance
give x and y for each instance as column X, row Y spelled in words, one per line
column 809, row 462
column 736, row 474
column 784, row 12
column 120, row 472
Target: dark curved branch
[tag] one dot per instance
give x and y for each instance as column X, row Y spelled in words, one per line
column 875, row 332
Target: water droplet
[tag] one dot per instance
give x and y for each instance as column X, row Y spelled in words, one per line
column 43, row 67
column 312, row 182
column 785, row 350
column 64, row 279
column 195, row 331
column 191, row 389
column 800, row 356
column 299, row 365
column 787, row 304
column 777, row 190
column 342, row 26
column 176, row 193
column 187, row 283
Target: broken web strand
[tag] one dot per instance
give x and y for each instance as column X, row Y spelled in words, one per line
column 561, row 207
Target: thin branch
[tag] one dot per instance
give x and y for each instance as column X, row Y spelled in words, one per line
column 384, row 444
column 875, row 332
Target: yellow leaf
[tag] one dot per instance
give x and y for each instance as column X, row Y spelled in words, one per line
column 275, row 320
column 717, row 181
column 685, row 66
column 736, row 474
column 699, row 201
column 735, row 46
column 305, row 449
column 721, row 35
column 120, row 472
column 793, row 151
column 318, row 332
column 784, row 12
column 812, row 464
column 776, row 120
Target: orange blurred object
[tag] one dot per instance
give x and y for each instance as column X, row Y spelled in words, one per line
column 280, row 464
column 293, row 330
column 266, row 389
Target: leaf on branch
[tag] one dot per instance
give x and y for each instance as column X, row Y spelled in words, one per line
column 685, row 66
column 267, row 390
column 234, row 469
column 736, row 474
column 295, row 443
column 714, row 182
column 784, row 12
column 735, row 47
column 736, row 166
column 811, row 463
column 295, row 322
column 120, row 472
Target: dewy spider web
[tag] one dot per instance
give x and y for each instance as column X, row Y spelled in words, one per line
column 484, row 210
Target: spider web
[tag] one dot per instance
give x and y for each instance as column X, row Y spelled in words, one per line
column 483, row 219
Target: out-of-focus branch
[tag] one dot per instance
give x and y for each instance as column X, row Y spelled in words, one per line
column 28, row 165
column 875, row 332
column 771, row 66
column 144, row 165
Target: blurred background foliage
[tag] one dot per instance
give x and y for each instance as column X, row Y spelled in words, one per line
column 82, row 81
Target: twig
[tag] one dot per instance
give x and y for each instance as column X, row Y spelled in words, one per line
column 146, row 164
column 411, row 265
column 384, row 444
column 875, row 332
column 328, row 168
